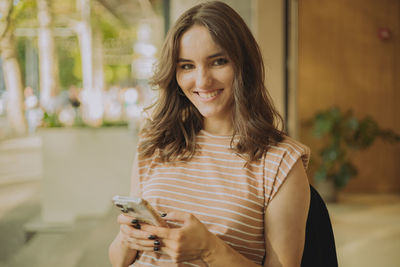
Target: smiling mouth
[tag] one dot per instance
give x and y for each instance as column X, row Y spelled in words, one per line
column 210, row 94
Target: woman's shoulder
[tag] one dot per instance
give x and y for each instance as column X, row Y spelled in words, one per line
column 289, row 150
column 281, row 159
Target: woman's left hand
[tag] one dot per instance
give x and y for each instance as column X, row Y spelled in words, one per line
column 190, row 241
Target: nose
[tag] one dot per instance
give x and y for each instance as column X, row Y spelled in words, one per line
column 203, row 78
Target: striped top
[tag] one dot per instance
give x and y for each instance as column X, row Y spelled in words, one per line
column 228, row 197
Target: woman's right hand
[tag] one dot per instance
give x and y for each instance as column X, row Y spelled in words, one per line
column 135, row 238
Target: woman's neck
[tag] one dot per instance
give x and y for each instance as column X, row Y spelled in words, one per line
column 218, row 127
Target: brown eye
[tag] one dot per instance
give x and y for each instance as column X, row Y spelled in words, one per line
column 220, row 62
column 187, row 66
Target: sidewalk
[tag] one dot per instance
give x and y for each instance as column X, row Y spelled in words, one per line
column 86, row 244
column 20, row 160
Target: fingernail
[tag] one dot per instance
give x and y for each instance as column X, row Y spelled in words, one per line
column 134, row 221
column 156, row 248
column 137, row 226
column 163, row 214
column 157, row 243
column 152, row 237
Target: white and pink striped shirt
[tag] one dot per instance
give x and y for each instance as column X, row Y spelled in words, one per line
column 228, row 197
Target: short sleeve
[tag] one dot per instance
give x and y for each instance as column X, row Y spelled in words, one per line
column 279, row 161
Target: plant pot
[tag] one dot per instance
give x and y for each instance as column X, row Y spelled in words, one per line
column 327, row 190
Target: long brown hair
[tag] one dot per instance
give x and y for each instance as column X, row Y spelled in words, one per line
column 175, row 121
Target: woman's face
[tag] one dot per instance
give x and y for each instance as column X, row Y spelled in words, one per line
column 205, row 74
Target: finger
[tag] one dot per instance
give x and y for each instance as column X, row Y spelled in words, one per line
column 169, row 245
column 140, row 244
column 129, row 220
column 135, row 233
column 125, row 219
column 135, row 245
column 170, row 233
column 160, row 232
column 178, row 216
column 182, row 219
column 144, row 242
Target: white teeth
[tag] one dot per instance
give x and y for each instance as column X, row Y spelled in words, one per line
column 208, row 95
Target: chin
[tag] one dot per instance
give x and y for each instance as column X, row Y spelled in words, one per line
column 208, row 114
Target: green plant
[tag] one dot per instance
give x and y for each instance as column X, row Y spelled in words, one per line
column 50, row 120
column 342, row 133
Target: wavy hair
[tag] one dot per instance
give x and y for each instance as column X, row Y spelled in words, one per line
column 175, row 121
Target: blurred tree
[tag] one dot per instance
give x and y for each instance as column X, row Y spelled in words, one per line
column 112, row 47
column 92, row 102
column 11, row 70
column 69, row 62
column 98, row 61
column 48, row 67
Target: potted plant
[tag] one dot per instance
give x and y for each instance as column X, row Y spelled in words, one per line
column 341, row 133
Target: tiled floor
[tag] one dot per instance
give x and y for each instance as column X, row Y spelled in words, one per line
column 367, row 230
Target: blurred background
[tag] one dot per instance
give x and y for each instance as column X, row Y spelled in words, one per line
column 74, row 82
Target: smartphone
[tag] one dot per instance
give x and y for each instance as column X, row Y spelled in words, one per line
column 140, row 209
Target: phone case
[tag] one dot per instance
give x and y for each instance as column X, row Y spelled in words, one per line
column 140, row 209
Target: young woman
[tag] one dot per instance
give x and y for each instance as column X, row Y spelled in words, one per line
column 212, row 158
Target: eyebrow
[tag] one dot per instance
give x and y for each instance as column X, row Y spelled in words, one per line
column 209, row 57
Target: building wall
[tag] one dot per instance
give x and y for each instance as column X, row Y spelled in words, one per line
column 344, row 62
column 269, row 33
